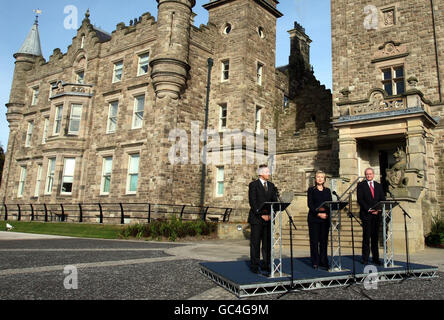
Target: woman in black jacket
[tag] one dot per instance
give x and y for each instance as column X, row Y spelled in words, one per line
column 319, row 222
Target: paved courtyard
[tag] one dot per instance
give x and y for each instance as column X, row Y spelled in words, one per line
column 35, row 267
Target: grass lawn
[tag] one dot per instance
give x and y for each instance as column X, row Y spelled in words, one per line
column 66, row 229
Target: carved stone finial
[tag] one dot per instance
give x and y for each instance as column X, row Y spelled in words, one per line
column 87, row 14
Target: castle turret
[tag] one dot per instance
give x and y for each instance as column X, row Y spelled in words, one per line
column 170, row 60
column 25, row 59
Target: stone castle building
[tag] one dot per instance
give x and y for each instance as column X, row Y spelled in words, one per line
column 94, row 124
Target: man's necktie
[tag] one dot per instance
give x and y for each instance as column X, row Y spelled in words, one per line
column 266, row 187
column 372, row 188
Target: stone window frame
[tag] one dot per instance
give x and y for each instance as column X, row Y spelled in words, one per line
column 38, row 180
column 225, row 72
column 78, row 118
column 29, row 133
column 51, row 84
column 35, row 93
column 22, row 181
column 390, row 63
column 227, row 28
column 258, row 119
column 286, row 103
column 64, row 175
column 221, row 106
column 135, row 97
column 129, row 173
column 109, row 117
column 219, row 181
column 104, row 157
column 260, row 66
column 45, row 130
column 139, row 55
column 78, row 79
column 50, row 175
column 115, row 64
column 393, row 80
column 82, row 41
column 58, row 119
column 261, row 32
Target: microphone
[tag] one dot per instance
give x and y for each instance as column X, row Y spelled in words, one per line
column 391, row 194
column 335, row 194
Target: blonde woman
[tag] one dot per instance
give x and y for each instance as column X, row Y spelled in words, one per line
column 319, row 221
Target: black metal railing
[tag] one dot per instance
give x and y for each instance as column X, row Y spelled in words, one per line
column 113, row 213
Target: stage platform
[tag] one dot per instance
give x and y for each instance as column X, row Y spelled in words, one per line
column 237, row 278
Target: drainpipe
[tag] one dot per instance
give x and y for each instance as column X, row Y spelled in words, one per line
column 436, row 52
column 204, row 158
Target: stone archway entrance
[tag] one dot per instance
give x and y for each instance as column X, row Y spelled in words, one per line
column 370, row 134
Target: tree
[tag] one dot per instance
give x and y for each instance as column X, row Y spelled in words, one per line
column 2, row 162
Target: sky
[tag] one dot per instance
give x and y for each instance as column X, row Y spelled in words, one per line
column 57, row 15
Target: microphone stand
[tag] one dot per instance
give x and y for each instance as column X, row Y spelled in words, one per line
column 291, row 246
column 405, row 232
column 351, row 216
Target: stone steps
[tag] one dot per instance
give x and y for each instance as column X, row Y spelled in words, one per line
column 301, row 236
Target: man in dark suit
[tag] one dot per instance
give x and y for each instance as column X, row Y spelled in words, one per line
column 369, row 194
column 259, row 192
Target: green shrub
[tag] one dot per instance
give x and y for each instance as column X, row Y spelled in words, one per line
column 436, row 236
column 172, row 229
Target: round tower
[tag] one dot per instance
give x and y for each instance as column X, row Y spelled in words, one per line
column 25, row 59
column 169, row 64
column 28, row 55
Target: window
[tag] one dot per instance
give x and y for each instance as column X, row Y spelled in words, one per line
column 50, row 176
column 35, row 96
column 258, row 119
column 393, row 80
column 80, row 77
column 45, row 130
column 29, row 134
column 139, row 107
column 133, row 174
column 58, row 119
column 21, row 188
column 225, row 70
column 143, row 64
column 82, row 44
column 223, row 112
column 107, row 168
column 286, row 103
column 113, row 110
column 220, row 176
column 261, row 32
column 68, row 175
column 52, row 85
column 227, row 28
column 260, row 70
column 75, row 118
column 118, row 71
column 38, row 181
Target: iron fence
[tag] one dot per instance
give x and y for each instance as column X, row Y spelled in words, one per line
column 112, row 213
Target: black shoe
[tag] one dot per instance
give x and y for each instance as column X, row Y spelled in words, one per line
column 255, row 270
column 324, row 267
column 267, row 270
column 377, row 262
column 364, row 262
column 316, row 267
